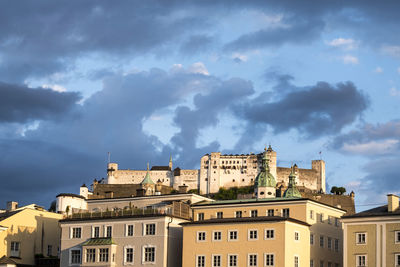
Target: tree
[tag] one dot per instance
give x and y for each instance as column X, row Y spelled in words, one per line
column 53, row 206
column 338, row 190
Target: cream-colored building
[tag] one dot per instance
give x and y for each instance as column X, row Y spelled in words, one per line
column 372, row 237
column 27, row 231
column 122, row 240
column 317, row 223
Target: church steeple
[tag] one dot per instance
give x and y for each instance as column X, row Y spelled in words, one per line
column 292, row 190
column 170, row 163
column 265, row 182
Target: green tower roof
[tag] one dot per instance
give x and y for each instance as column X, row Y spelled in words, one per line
column 265, row 178
column 292, row 190
column 147, row 179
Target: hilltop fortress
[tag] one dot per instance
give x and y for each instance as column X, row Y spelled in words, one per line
column 221, row 170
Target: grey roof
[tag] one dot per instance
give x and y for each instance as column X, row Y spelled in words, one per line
column 375, row 212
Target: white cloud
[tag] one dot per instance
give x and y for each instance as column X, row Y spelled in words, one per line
column 349, row 59
column 372, row 148
column 55, row 87
column 346, row 44
column 199, row 68
column 394, row 91
column 391, row 50
column 378, row 70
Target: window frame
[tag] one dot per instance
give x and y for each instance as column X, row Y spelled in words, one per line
column 272, row 211
column 200, row 216
column 197, row 260
column 72, row 229
column 213, row 235
column 358, row 235
column 70, row 256
column 87, row 255
column 271, row 230
column 15, row 252
column 145, row 232
column 104, row 257
column 198, row 235
column 358, row 256
column 284, row 211
column 229, row 260
column 240, row 213
column 249, row 231
column 397, row 237
column 94, row 231
column 312, row 239
column 106, row 227
column 126, row 255
column 127, row 226
column 218, row 213
column 213, row 256
column 397, row 259
column 253, row 213
column 296, row 257
column 229, row 235
column 265, row 259
column 249, row 257
column 297, row 236
column 144, row 254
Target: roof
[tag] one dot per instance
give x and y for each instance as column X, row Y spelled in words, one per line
column 292, row 190
column 375, row 212
column 70, row 195
column 7, row 214
column 100, row 241
column 259, row 200
column 246, row 220
column 265, row 178
column 147, row 179
column 7, row 260
column 114, row 217
column 160, row 168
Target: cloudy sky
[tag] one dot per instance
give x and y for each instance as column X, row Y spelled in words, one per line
column 148, row 79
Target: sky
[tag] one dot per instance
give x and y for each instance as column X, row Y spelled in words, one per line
column 146, row 80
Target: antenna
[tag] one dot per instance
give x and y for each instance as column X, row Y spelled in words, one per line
column 109, row 157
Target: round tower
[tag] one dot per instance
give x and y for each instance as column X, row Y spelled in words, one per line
column 265, row 184
column 111, row 169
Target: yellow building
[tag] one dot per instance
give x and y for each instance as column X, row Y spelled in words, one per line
column 28, row 231
column 372, row 237
column 306, row 233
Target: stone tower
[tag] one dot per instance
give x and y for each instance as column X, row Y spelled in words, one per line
column 292, row 190
column 170, row 163
column 111, row 169
column 271, row 154
column 265, row 183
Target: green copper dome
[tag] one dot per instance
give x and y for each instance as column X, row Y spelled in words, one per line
column 265, row 178
column 147, row 179
column 292, row 190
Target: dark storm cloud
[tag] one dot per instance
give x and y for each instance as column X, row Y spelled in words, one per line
column 196, row 44
column 22, row 104
column 300, row 32
column 206, row 112
column 319, row 110
column 59, row 157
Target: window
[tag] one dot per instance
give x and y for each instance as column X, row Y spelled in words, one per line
column 220, row 215
column 75, row 255
column 296, row 261
column 329, row 264
column 128, row 255
column 296, row 236
column 233, row 260
column 233, row 235
column 321, row 241
column 15, row 249
column 337, row 245
column 96, row 231
column 252, row 259
column 253, row 213
column 329, row 222
column 312, row 214
column 90, row 255
column 311, row 239
column 269, row 233
column 336, row 222
column 150, row 229
column 397, row 260
column 269, row 259
column 201, row 261
column 49, row 250
column 270, row 212
column 329, row 243
column 336, row 264
column 217, row 236
column 361, row 238
column 311, row 263
column 253, row 234
column 397, row 236
column 149, row 254
column 129, row 230
column 109, row 231
column 285, row 213
column 103, row 254
column 200, row 216
column 216, row 261
column 238, row 214
column 76, row 232
column 201, row 236
column 321, row 217
column 361, row 260
column 321, row 263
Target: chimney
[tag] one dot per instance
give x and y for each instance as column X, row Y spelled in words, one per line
column 12, row 205
column 393, row 202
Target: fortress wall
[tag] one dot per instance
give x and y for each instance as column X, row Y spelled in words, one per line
column 305, row 177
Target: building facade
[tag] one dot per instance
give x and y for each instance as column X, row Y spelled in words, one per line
column 129, row 240
column 219, row 170
column 372, row 237
column 28, row 231
column 323, row 234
